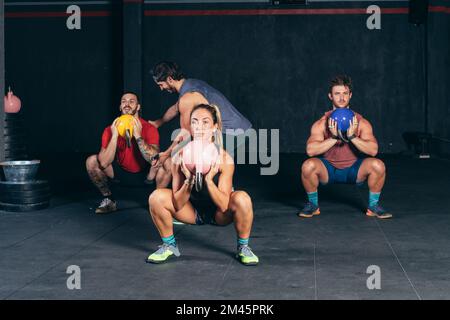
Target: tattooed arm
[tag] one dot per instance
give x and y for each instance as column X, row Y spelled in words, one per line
column 106, row 155
column 147, row 150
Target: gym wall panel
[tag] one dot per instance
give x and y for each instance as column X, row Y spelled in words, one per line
column 275, row 68
column 69, row 81
column 439, row 77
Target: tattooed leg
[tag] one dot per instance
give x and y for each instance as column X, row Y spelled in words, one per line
column 98, row 176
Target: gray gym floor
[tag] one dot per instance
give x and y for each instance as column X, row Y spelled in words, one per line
column 321, row 258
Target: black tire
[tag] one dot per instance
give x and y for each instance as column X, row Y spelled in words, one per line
column 23, row 207
column 35, row 185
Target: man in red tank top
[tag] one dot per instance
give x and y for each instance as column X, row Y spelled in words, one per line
column 120, row 161
column 352, row 161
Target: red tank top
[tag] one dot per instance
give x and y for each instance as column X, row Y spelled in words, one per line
column 130, row 159
column 341, row 155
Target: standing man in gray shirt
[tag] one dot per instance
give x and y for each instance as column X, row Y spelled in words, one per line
column 169, row 77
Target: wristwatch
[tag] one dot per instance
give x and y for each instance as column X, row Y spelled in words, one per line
column 351, row 137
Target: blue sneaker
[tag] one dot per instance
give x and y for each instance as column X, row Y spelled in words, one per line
column 378, row 211
column 309, row 210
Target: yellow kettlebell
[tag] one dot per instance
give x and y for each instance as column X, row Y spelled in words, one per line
column 125, row 123
column 125, row 127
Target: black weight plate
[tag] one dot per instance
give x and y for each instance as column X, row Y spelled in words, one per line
column 24, row 200
column 12, row 131
column 12, row 116
column 25, row 194
column 23, row 207
column 14, row 123
column 14, row 138
column 15, row 150
column 16, row 156
column 14, row 128
column 23, row 186
column 13, row 147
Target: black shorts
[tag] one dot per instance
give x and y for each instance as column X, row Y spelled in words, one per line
column 129, row 178
column 205, row 211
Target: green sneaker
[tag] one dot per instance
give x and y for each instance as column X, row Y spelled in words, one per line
column 246, row 256
column 164, row 252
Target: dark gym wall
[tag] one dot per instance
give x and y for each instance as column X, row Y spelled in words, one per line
column 274, row 68
column 439, row 77
column 69, row 81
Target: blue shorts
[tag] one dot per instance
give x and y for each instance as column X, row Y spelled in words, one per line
column 346, row 175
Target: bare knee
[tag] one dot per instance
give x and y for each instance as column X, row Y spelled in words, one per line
column 240, row 201
column 92, row 163
column 157, row 199
column 378, row 166
column 309, row 167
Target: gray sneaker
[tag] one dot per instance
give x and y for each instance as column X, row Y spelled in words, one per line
column 164, row 252
column 246, row 256
column 106, row 206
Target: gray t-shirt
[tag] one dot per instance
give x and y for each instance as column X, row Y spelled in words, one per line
column 231, row 117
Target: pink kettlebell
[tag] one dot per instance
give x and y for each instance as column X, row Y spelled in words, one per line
column 12, row 102
column 198, row 156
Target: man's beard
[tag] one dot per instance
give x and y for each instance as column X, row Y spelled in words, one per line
column 129, row 111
